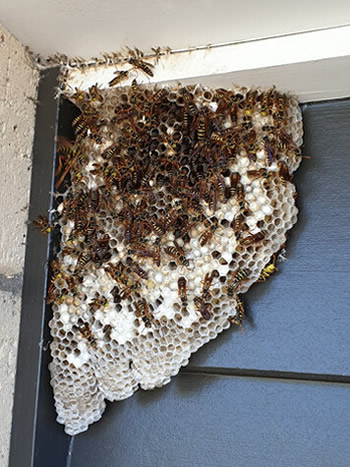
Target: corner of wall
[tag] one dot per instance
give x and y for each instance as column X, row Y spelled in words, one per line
column 18, row 90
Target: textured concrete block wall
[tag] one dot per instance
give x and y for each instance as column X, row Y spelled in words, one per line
column 18, row 87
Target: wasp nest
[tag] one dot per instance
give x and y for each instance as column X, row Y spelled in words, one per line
column 178, row 201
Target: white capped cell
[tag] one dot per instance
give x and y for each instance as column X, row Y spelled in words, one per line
column 254, row 206
column 267, row 209
column 196, row 253
column 229, row 216
column 159, row 277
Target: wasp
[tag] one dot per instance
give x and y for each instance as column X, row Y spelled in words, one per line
column 120, row 76
column 177, row 253
column 160, row 95
column 191, row 108
column 182, row 227
column 74, row 236
column 268, row 270
column 285, row 141
column 201, row 124
column 253, row 239
column 120, row 115
column 223, row 158
column 133, row 135
column 117, row 273
column 181, row 287
column 238, row 318
column 157, row 228
column 56, row 277
column 207, row 235
column 250, row 145
column 218, row 138
column 219, row 182
column 239, row 276
column 94, row 200
column 141, row 65
column 157, row 53
column 97, row 302
column 212, row 197
column 142, row 310
column 247, row 123
column 269, row 151
column 156, row 252
column 140, row 251
column 61, row 279
column 208, row 279
column 78, row 95
column 248, row 104
column 70, row 153
column 261, row 173
column 52, row 295
column 232, row 189
column 128, row 223
column 265, row 104
column 283, row 172
column 43, row 224
column 237, row 225
column 129, row 289
column 145, row 179
column 83, row 259
column 281, row 104
column 85, row 330
column 94, row 94
column 101, row 249
column 203, row 307
column 85, row 122
column 170, row 219
column 136, row 268
column 223, row 96
column 241, row 200
column 134, row 86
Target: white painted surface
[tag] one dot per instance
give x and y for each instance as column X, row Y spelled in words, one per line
column 89, row 27
column 18, row 82
column 295, row 63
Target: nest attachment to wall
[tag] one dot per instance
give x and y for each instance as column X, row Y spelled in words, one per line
column 171, row 203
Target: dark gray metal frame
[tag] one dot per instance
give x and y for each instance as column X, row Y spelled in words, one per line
column 37, row 440
column 34, row 334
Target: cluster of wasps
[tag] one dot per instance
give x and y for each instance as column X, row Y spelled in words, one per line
column 163, row 150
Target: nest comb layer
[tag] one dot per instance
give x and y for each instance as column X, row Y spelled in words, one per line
column 178, row 199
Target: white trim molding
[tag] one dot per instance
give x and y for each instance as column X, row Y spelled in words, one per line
column 314, row 65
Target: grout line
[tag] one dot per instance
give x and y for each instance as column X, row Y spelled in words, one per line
column 270, row 374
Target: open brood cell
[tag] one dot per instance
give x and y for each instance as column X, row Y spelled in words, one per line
column 178, row 200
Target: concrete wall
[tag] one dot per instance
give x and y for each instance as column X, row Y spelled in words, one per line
column 18, row 87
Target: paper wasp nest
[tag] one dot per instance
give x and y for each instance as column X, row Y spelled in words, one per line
column 178, row 199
